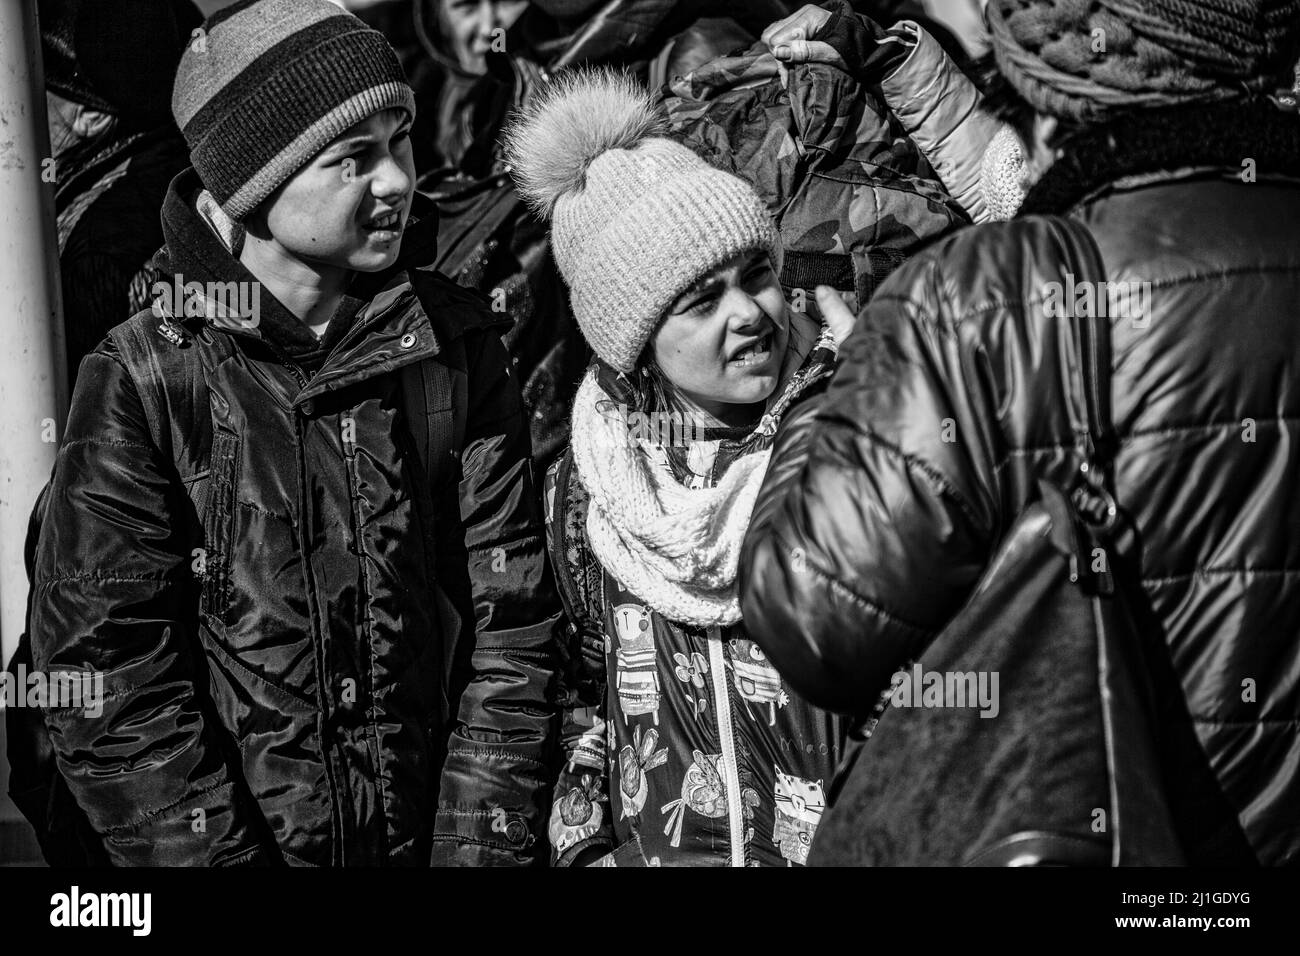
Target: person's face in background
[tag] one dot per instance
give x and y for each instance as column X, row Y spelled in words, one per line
column 72, row 123
column 469, row 27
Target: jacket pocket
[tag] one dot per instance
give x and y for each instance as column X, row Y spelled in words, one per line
column 218, row 524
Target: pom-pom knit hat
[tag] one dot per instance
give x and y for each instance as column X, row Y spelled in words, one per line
column 267, row 84
column 636, row 217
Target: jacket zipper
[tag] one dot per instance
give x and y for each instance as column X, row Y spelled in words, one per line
column 727, row 739
column 322, row 664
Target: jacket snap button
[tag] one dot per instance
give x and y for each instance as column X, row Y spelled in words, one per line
column 307, row 407
column 517, row 832
column 408, row 340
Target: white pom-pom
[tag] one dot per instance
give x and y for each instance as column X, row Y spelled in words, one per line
column 553, row 140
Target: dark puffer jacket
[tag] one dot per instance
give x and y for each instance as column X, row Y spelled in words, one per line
column 880, row 511
column 312, row 652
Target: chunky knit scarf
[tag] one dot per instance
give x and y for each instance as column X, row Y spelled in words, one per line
column 677, row 548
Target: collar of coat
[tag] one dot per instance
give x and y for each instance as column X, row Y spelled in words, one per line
column 385, row 321
column 1171, row 143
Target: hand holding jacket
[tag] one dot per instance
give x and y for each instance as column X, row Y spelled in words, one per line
column 936, row 103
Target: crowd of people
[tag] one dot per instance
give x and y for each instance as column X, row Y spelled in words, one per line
column 619, row 396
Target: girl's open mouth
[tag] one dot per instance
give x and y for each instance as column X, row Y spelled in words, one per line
column 756, row 353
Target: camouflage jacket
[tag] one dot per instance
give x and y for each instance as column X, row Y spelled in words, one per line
column 852, row 194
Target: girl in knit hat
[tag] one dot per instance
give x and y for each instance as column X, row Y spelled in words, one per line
column 292, row 521
column 682, row 744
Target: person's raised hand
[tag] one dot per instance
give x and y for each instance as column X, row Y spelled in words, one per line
column 788, row 39
column 835, row 313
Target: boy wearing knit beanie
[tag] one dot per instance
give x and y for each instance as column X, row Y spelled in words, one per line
column 292, row 520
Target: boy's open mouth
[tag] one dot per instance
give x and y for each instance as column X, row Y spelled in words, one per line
column 387, row 226
column 755, row 353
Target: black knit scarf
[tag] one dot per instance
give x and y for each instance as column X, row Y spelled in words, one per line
column 1147, row 141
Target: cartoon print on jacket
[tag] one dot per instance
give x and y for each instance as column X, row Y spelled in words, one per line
column 590, row 747
column 576, row 815
column 634, row 762
column 799, row 806
column 690, row 671
column 638, row 678
column 756, row 680
column 703, row 791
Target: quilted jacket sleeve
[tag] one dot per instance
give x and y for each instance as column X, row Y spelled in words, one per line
column 939, row 108
column 113, row 600
column 936, row 103
column 879, row 508
column 497, row 778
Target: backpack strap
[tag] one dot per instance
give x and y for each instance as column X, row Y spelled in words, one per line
column 1133, row 723
column 170, row 374
column 570, row 556
column 578, row 576
column 435, row 396
column 435, row 392
column 462, row 234
column 1089, row 392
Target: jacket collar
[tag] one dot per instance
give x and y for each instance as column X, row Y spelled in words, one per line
column 1167, row 144
column 379, row 326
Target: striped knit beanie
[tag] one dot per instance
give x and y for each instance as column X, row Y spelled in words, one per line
column 636, row 218
column 269, row 83
column 1084, row 59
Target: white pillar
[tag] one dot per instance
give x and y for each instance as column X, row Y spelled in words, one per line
column 33, row 386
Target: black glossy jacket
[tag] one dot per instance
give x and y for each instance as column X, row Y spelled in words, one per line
column 321, row 658
column 881, row 508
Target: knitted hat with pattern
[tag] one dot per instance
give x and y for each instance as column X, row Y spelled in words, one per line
column 269, row 83
column 636, row 218
column 1083, row 59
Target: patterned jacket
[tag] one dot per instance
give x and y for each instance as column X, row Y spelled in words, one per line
column 682, row 746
